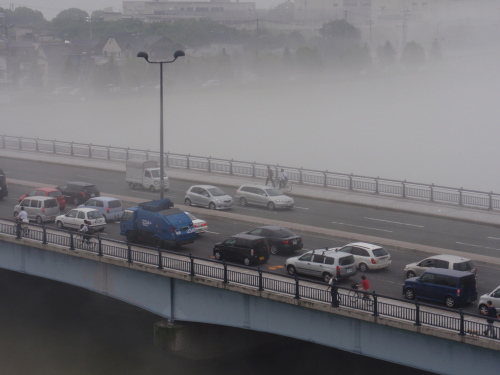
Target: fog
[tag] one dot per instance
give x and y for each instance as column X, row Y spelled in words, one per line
column 436, row 124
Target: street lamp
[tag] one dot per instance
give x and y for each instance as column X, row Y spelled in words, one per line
column 146, row 57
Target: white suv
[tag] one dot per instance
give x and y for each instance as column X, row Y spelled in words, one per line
column 451, row 262
column 494, row 297
column 367, row 256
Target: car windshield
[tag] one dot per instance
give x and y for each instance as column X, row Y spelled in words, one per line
column 216, row 192
column 94, row 215
column 464, row 266
column 89, row 189
column 380, row 252
column 272, row 192
column 156, row 173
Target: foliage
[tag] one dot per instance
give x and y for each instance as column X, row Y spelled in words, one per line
column 386, row 54
column 341, row 30
column 413, row 55
column 26, row 17
column 71, row 23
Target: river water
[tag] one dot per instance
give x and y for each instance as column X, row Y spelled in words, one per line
column 49, row 328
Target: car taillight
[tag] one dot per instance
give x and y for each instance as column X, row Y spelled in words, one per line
column 458, row 292
column 43, row 210
column 83, row 194
column 107, row 210
column 173, row 228
column 204, row 224
column 374, row 261
column 285, row 242
column 338, row 270
column 251, row 252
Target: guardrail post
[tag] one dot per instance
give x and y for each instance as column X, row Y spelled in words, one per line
column 253, row 170
column 376, row 186
column 165, row 160
column 335, row 295
column 71, row 240
column 231, row 166
column 191, row 265
column 99, row 246
column 18, row 230
column 260, row 279
column 462, row 323
column 417, row 314
column 3, row 141
column 44, row 234
column 490, row 204
column 301, row 178
column 129, row 253
column 187, row 162
column 460, row 202
column 350, row 181
column 90, row 150
column 375, row 304
column 54, row 147
column 20, row 143
column 225, row 272
column 324, row 179
column 71, row 148
column 108, row 152
column 160, row 259
column 209, row 166
column 404, row 189
column 36, row 145
column 432, row 192
column 297, row 294
column 147, row 154
column 126, row 154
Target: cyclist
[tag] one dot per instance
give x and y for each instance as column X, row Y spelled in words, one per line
column 22, row 217
column 86, row 232
column 365, row 285
column 283, row 178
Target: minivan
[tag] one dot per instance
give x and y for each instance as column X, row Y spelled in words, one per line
column 245, row 248
column 39, row 209
column 110, row 208
column 451, row 262
column 323, row 264
column 453, row 288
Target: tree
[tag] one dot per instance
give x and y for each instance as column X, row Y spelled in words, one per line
column 436, row 53
column 341, row 30
column 386, row 54
column 413, row 55
column 23, row 16
column 71, row 24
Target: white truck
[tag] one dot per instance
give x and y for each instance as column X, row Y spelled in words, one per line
column 145, row 174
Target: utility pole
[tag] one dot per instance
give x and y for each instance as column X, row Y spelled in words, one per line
column 404, row 13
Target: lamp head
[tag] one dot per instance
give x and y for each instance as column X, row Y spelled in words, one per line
column 144, row 55
column 179, row 54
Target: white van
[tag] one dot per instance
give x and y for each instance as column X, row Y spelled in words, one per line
column 39, row 209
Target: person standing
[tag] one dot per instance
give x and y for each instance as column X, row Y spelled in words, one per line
column 269, row 176
column 332, row 287
column 22, row 217
column 492, row 314
column 283, row 178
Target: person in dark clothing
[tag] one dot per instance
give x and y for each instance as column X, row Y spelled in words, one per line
column 269, row 176
column 492, row 314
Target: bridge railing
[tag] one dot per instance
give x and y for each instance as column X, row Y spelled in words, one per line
column 379, row 305
column 326, row 179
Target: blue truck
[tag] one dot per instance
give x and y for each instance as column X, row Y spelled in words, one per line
column 157, row 223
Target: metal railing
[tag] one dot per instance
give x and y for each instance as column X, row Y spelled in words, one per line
column 326, row 179
column 377, row 305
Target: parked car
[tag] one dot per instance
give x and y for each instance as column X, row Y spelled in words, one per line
column 208, row 196
column 46, row 192
column 453, row 288
column 110, row 208
column 263, row 195
column 78, row 192
column 280, row 239
column 243, row 248
column 323, row 264
column 74, row 219
column 199, row 225
column 39, row 209
column 494, row 297
column 367, row 256
column 451, row 262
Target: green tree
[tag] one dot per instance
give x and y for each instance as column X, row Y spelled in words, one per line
column 23, row 16
column 413, row 55
column 341, row 30
column 71, row 23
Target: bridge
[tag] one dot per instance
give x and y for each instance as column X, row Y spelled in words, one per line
column 181, row 287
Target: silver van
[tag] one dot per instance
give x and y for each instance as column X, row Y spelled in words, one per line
column 263, row 195
column 39, row 209
column 322, row 264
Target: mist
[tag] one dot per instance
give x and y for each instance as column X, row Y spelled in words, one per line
column 435, row 124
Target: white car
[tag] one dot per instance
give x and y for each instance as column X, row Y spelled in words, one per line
column 199, row 225
column 367, row 256
column 451, row 262
column 494, row 297
column 74, row 219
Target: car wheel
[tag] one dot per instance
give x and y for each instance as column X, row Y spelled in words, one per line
column 156, row 241
column 218, row 255
column 271, row 206
column 409, row 294
column 39, row 220
column 60, row 225
column 326, row 277
column 274, row 249
column 187, row 202
column 363, row 267
column 211, row 206
column 130, row 236
column 449, row 302
column 483, row 309
column 247, row 261
column 131, row 185
column 243, row 202
column 410, row 274
column 152, row 189
column 291, row 270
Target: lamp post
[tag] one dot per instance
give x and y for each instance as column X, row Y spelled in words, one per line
column 146, row 57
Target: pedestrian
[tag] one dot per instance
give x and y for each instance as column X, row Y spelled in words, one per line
column 86, row 231
column 22, row 217
column 333, row 291
column 283, row 178
column 269, row 176
column 492, row 314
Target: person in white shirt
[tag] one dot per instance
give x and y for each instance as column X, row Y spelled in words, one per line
column 21, row 217
column 283, row 178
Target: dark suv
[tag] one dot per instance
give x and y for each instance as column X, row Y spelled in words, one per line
column 242, row 247
column 78, row 192
column 3, row 185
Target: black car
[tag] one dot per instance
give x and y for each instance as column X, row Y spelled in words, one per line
column 4, row 192
column 78, row 192
column 281, row 240
column 244, row 248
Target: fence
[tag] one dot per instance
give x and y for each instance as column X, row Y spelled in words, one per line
column 377, row 305
column 375, row 185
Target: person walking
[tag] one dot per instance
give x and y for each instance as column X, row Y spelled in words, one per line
column 492, row 313
column 283, row 178
column 269, row 176
column 333, row 291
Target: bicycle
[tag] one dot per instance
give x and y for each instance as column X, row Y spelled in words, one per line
column 86, row 243
column 286, row 188
column 24, row 230
column 359, row 295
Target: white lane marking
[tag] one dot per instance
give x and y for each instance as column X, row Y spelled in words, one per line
column 394, row 222
column 494, row 238
column 482, row 247
column 358, row 226
column 301, row 208
column 211, row 232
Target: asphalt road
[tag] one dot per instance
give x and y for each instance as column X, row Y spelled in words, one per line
column 418, row 229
